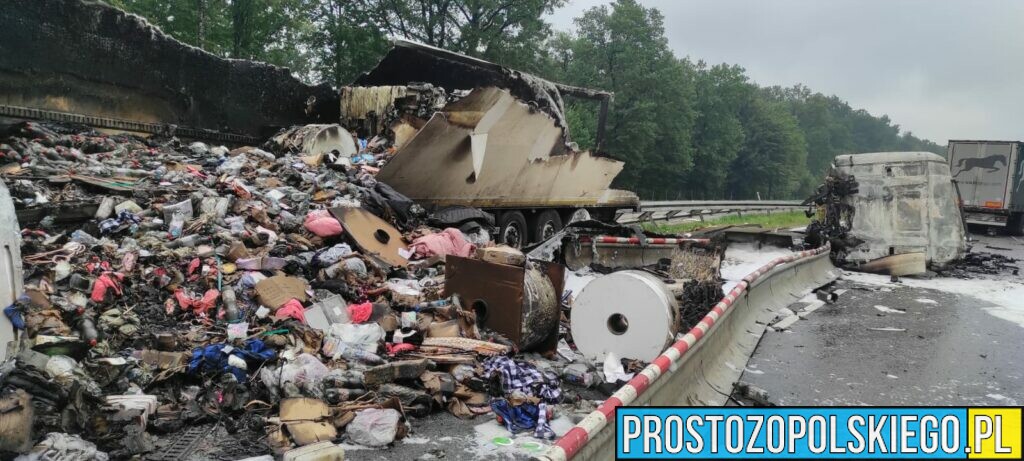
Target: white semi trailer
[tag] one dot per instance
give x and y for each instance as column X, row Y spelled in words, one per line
column 990, row 177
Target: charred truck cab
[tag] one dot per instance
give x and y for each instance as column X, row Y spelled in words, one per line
column 889, row 212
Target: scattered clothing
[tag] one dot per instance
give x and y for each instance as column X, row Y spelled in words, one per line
column 107, row 281
column 291, row 309
column 360, row 313
column 447, row 242
column 523, row 417
column 214, row 359
column 198, row 304
column 517, row 375
column 15, row 316
column 321, row 223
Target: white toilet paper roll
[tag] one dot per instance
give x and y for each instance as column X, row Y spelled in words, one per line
column 630, row 313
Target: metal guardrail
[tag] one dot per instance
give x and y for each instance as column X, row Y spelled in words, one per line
column 678, row 209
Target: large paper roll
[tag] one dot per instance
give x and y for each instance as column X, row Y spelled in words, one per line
column 630, row 313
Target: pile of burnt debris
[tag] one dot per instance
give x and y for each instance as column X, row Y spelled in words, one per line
column 280, row 300
column 975, row 263
column 832, row 215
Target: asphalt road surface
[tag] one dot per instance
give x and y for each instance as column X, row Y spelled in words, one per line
column 937, row 341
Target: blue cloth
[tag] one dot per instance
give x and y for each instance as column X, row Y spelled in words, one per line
column 518, row 375
column 110, row 225
column 523, row 417
column 213, row 359
column 14, row 314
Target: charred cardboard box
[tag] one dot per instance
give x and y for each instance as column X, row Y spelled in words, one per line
column 520, row 302
column 373, row 236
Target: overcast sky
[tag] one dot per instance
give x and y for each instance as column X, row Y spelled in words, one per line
column 942, row 69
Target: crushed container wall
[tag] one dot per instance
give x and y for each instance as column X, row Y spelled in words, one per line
column 90, row 58
column 475, row 153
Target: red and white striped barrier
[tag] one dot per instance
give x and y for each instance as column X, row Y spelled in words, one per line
column 570, row 444
column 646, row 241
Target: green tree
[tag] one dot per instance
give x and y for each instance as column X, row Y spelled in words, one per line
column 264, row 30
column 343, row 41
column 201, row 23
column 506, row 31
column 718, row 134
column 772, row 159
column 622, row 48
column 831, row 127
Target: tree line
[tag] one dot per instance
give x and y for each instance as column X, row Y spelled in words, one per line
column 686, row 129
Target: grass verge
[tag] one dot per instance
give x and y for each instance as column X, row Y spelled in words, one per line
column 777, row 219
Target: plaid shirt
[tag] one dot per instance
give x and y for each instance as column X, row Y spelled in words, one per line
column 524, row 377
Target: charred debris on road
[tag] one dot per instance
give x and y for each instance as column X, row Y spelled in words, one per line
column 279, row 299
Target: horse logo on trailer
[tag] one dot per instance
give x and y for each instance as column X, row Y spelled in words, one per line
column 989, row 163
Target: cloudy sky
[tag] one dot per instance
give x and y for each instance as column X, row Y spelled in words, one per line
column 943, row 69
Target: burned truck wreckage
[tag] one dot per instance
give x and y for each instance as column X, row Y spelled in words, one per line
column 895, row 213
column 206, row 258
column 225, row 268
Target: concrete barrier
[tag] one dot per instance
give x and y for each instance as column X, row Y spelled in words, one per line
column 700, row 368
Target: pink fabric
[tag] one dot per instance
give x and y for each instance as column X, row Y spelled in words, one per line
column 321, row 223
column 291, row 309
column 359, row 313
column 103, row 283
column 205, row 303
column 447, row 242
column 199, row 305
column 395, row 349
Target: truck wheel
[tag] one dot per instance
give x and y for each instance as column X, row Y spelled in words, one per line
column 512, row 229
column 545, row 225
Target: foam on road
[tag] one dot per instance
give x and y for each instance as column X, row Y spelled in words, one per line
column 1006, row 297
column 743, row 258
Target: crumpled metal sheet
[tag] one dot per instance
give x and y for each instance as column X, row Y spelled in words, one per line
column 475, row 153
column 409, row 62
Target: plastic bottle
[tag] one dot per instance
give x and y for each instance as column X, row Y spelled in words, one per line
column 84, row 238
column 87, row 331
column 336, row 396
column 579, row 375
column 230, row 310
column 349, row 379
column 432, row 305
column 177, row 225
column 188, row 241
column 354, row 353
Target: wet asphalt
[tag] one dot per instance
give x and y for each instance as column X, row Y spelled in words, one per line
column 951, row 352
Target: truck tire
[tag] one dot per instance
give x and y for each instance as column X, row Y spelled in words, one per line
column 545, row 225
column 1015, row 225
column 512, row 229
